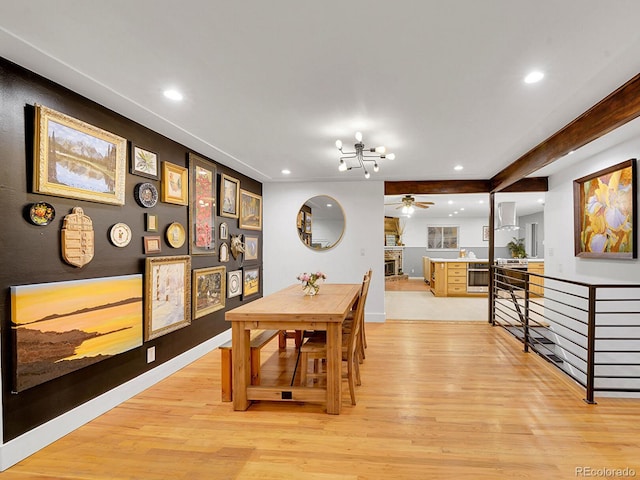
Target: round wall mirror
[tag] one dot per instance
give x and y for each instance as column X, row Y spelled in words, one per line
column 320, row 223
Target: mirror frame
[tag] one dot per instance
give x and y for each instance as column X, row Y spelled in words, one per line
column 301, row 224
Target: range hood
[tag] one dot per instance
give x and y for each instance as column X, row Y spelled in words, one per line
column 507, row 216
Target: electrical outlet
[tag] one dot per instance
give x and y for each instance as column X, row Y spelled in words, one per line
column 151, row 354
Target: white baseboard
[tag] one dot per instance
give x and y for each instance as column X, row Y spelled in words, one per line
column 27, row 444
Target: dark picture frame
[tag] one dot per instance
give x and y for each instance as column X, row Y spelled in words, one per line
column 485, row 233
column 605, row 212
column 202, row 206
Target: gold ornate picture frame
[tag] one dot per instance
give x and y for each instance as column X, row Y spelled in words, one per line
column 175, row 184
column 209, row 290
column 167, row 287
column 250, row 210
column 229, row 196
column 74, row 159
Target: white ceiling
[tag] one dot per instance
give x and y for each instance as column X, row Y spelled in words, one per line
column 272, row 85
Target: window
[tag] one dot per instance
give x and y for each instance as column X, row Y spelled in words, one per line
column 442, row 237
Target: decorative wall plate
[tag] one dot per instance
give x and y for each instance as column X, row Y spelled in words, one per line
column 175, row 235
column 234, row 283
column 120, row 235
column 146, row 194
column 42, row 213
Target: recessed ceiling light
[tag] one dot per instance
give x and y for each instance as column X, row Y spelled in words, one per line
column 329, row 205
column 450, row 202
column 286, row 172
column 461, row 209
column 458, row 168
column 455, row 213
column 451, row 214
column 480, row 201
column 173, row 94
column 540, row 200
column 534, row 77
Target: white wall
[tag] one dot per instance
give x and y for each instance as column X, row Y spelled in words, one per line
column 558, row 224
column 361, row 247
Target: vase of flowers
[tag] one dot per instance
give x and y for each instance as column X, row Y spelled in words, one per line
column 311, row 282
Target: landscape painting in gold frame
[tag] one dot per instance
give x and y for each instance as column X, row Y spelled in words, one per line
column 74, row 159
column 250, row 210
column 175, row 184
column 605, row 212
column 167, row 286
column 209, row 290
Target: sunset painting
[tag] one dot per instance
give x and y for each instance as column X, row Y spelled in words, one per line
column 64, row 326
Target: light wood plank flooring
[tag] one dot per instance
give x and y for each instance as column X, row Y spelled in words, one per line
column 438, row 400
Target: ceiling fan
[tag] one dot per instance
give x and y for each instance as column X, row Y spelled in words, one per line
column 408, row 202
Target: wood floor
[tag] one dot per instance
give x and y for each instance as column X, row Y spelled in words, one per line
column 407, row 285
column 438, row 400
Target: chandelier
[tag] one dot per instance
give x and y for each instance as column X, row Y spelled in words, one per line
column 359, row 154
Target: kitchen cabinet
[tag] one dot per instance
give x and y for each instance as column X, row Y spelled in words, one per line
column 537, row 289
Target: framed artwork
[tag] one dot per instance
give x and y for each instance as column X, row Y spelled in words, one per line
column 144, row 163
column 175, row 184
column 146, row 194
column 250, row 248
column 234, row 283
column 224, row 231
column 300, row 220
column 229, row 194
column 485, row 233
column 605, row 213
column 151, row 222
column 152, row 244
column 209, row 290
column 202, row 206
column 250, row 210
column 176, row 235
column 224, row 252
column 307, row 223
column 76, row 160
column 82, row 322
column 167, row 287
column 251, row 281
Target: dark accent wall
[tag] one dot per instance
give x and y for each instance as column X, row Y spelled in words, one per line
column 32, row 254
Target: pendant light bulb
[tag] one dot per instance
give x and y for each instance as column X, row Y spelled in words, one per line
column 376, row 168
column 342, row 167
column 381, row 149
column 405, row 209
column 391, row 156
column 366, row 174
column 359, row 136
column 339, row 144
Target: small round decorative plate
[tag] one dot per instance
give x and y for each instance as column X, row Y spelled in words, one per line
column 146, row 194
column 42, row 213
column 120, row 235
column 175, row 235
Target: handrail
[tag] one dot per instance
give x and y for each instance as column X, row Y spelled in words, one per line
column 591, row 332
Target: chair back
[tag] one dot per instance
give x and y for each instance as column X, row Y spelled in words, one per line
column 358, row 317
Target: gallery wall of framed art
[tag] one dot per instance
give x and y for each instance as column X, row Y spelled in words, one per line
column 139, row 190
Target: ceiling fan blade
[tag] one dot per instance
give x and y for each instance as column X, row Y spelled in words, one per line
column 421, row 206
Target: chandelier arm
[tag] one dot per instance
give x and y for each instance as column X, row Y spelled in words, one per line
column 348, row 156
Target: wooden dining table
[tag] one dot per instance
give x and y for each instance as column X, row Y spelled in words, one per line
column 291, row 309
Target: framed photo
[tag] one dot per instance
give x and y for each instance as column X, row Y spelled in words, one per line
column 202, row 206
column 224, row 231
column 76, row 160
column 485, row 233
column 151, row 222
column 250, row 248
column 605, row 213
column 209, row 290
column 229, row 194
column 251, row 281
column 152, row 244
column 175, row 184
column 82, row 322
column 167, row 282
column 234, row 283
column 144, row 163
column 250, row 210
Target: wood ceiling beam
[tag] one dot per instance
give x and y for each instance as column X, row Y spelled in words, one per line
column 618, row 108
column 432, row 187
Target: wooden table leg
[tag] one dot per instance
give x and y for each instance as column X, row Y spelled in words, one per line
column 334, row 368
column 240, row 354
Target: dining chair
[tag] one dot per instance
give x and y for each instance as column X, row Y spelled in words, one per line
column 348, row 322
column 316, row 348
